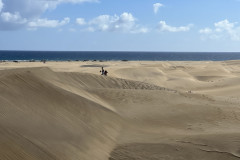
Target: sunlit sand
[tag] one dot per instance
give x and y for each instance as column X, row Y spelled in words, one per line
column 142, row 110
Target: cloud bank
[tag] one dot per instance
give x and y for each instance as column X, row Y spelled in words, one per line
column 1, row 5
column 80, row 21
column 125, row 22
column 163, row 27
column 222, row 30
column 48, row 23
column 15, row 14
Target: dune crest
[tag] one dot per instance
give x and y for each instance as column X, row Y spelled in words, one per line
column 142, row 110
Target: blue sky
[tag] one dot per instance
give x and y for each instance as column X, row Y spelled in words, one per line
column 120, row 25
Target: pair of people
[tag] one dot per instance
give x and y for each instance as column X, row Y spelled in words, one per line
column 104, row 72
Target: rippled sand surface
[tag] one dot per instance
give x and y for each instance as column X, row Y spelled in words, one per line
column 142, row 110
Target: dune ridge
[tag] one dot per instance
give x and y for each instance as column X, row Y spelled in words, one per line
column 142, row 110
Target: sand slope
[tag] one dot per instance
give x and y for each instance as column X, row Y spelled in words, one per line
column 142, row 110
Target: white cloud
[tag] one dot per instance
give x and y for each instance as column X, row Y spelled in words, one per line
column 36, row 7
column 224, row 25
column 156, row 7
column 1, row 5
column 205, row 31
column 123, row 23
column 222, row 29
column 12, row 18
column 162, row 27
column 51, row 4
column 48, row 23
column 28, row 11
column 80, row 21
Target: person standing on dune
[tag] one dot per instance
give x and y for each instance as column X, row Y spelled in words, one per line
column 102, row 71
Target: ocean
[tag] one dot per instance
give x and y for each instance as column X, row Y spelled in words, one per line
column 116, row 56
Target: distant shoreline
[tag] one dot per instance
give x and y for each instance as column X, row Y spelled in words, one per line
column 116, row 56
column 100, row 61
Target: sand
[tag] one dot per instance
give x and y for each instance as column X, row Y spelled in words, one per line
column 141, row 111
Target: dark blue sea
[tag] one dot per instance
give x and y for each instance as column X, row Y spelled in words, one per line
column 116, row 56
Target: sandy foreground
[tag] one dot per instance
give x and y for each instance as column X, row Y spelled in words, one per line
column 142, row 111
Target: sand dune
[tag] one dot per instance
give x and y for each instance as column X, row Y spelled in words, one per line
column 142, row 110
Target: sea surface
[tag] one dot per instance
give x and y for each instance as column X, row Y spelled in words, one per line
column 116, row 56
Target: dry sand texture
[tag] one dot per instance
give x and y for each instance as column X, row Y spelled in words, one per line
column 141, row 111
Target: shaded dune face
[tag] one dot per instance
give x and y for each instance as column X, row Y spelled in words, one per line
column 42, row 121
column 63, row 115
